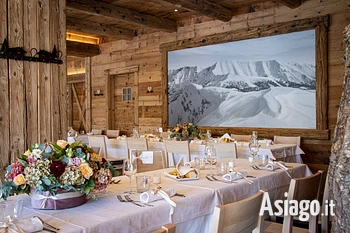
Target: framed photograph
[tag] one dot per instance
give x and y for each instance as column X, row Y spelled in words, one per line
column 267, row 82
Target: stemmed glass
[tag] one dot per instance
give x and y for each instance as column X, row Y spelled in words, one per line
column 129, row 168
column 254, row 149
column 210, row 153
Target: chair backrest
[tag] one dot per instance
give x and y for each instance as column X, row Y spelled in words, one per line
column 241, row 216
column 112, row 133
column 306, row 188
column 96, row 131
column 136, row 144
column 98, row 143
column 242, row 138
column 177, row 147
column 159, row 161
column 225, row 150
column 167, row 228
column 286, row 140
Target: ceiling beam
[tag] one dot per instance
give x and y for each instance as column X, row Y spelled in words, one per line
column 203, row 7
column 83, row 26
column 290, row 3
column 78, row 49
column 94, row 7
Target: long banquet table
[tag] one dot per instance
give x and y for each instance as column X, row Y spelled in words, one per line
column 193, row 212
column 285, row 152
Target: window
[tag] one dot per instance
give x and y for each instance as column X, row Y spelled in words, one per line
column 127, row 94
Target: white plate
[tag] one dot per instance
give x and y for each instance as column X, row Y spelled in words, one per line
column 175, row 177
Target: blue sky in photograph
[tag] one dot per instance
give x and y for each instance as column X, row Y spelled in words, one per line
column 292, row 47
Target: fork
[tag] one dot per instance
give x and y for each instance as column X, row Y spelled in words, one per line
column 128, row 199
column 245, row 178
column 45, row 223
column 209, row 178
column 256, row 167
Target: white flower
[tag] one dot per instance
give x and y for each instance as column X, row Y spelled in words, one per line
column 37, row 153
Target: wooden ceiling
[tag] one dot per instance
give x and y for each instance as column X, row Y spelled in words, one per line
column 108, row 20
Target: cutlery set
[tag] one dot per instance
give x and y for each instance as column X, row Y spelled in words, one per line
column 255, row 167
column 48, row 227
column 128, row 199
column 213, row 178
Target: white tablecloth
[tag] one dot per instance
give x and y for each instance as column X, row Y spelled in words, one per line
column 192, row 214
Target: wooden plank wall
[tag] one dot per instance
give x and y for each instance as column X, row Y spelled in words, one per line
column 144, row 51
column 33, row 95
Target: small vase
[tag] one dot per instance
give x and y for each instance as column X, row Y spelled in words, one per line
column 62, row 200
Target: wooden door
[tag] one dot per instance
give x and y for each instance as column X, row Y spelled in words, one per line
column 124, row 103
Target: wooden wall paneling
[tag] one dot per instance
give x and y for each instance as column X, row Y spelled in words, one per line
column 322, row 77
column 69, row 105
column 54, row 75
column 165, row 88
column 17, row 83
column 88, row 94
column 65, row 94
column 45, row 93
column 110, row 84
column 31, row 69
column 136, row 99
column 81, row 107
column 4, row 94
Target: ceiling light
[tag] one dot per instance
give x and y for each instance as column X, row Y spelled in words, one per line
column 176, row 10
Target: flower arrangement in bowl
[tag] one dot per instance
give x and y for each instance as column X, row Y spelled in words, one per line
column 47, row 170
column 186, row 131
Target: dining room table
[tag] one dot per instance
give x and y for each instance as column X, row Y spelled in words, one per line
column 195, row 201
column 116, row 148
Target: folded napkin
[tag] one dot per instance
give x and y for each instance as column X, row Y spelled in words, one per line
column 264, row 141
column 183, row 171
column 151, row 196
column 29, row 225
column 226, row 138
column 234, row 176
column 196, row 141
column 273, row 165
column 191, row 164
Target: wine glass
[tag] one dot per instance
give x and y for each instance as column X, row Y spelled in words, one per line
column 210, row 153
column 254, row 149
column 129, row 168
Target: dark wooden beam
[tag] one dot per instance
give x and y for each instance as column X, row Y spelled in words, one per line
column 94, row 7
column 78, row 49
column 290, row 3
column 83, row 26
column 203, row 7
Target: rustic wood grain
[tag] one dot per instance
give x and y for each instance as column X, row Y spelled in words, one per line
column 17, row 83
column 78, row 49
column 4, row 94
column 121, row 14
column 88, row 94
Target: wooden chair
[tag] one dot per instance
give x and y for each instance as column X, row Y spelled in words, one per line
column 177, row 147
column 112, row 133
column 135, row 144
column 167, row 228
column 306, row 188
column 241, row 216
column 243, row 138
column 96, row 131
column 286, row 140
column 225, row 150
column 98, row 143
column 159, row 161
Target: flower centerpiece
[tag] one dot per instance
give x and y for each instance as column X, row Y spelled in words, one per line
column 185, row 131
column 48, row 170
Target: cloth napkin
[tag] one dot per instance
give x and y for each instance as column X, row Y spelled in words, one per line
column 28, row 225
column 273, row 165
column 183, row 170
column 226, row 138
column 151, row 196
column 191, row 164
column 234, row 176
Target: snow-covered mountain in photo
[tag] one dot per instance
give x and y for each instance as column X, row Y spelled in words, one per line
column 244, row 94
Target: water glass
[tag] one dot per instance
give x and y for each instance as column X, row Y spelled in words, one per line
column 263, row 160
column 18, row 209
column 221, row 168
column 143, row 183
column 202, row 163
